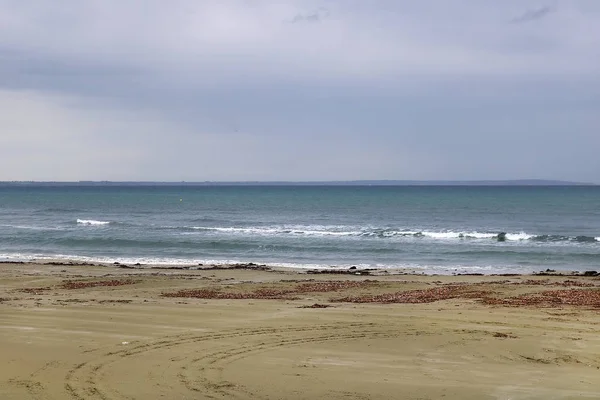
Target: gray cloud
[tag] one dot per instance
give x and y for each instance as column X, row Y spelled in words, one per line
column 534, row 14
column 215, row 90
column 316, row 16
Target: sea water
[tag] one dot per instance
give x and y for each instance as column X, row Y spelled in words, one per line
column 430, row 229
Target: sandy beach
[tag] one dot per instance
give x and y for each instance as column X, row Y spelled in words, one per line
column 246, row 332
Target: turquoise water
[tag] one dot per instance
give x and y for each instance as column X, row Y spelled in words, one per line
column 429, row 229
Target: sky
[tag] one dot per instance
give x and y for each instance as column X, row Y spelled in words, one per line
column 299, row 90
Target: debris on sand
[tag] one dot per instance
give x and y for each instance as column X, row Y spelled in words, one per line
column 317, row 305
column 419, row 296
column 286, row 293
column 547, row 282
column 217, row 294
column 350, row 271
column 242, row 266
column 89, row 284
column 503, row 335
column 35, row 290
column 551, row 298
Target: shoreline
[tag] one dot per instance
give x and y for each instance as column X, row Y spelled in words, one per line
column 73, row 331
column 330, row 270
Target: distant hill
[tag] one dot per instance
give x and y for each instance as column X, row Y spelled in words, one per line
column 521, row 182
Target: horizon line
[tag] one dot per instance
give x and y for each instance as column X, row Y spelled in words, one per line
column 480, row 182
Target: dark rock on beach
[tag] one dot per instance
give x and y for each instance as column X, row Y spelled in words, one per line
column 247, row 266
column 350, row 271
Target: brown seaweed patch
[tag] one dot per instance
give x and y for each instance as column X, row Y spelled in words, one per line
column 217, row 294
column 286, row 293
column 115, row 301
column 503, row 335
column 550, row 298
column 37, row 290
column 317, row 305
column 90, row 284
column 331, row 286
column 419, row 296
column 547, row 282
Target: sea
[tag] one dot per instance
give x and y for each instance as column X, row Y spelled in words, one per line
column 417, row 229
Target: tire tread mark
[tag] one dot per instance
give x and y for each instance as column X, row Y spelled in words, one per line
column 83, row 381
column 216, row 360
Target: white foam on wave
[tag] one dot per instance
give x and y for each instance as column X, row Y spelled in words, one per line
column 450, row 235
column 479, row 235
column 319, row 230
column 283, row 230
column 92, row 222
column 324, row 233
column 458, row 235
column 33, row 228
column 519, row 236
column 439, row 235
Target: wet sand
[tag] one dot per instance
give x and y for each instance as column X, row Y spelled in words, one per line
column 105, row 332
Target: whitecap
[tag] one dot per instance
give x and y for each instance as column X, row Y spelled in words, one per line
column 458, row 235
column 347, row 231
column 33, row 228
column 259, row 231
column 480, row 235
column 473, row 235
column 518, row 236
column 441, row 235
column 92, row 222
column 283, row 230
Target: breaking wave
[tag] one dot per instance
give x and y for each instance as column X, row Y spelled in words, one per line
column 269, row 231
column 33, row 227
column 92, row 222
column 386, row 233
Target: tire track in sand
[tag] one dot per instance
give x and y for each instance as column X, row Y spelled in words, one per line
column 212, row 366
column 204, row 374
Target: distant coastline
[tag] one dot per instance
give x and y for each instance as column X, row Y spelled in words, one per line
column 518, row 182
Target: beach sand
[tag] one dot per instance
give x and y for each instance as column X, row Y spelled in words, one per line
column 108, row 332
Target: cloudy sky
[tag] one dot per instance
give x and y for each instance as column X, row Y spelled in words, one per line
column 299, row 89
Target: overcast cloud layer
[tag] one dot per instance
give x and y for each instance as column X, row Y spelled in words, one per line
column 299, row 90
